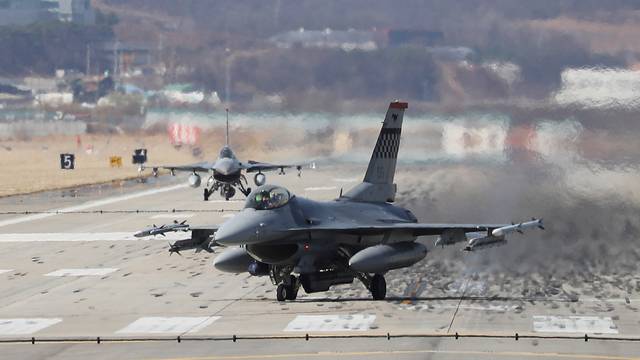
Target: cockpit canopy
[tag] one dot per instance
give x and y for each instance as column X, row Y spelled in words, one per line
column 226, row 152
column 267, row 197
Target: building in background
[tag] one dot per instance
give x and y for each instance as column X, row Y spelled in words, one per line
column 27, row 12
column 77, row 11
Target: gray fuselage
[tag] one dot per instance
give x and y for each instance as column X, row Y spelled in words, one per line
column 287, row 234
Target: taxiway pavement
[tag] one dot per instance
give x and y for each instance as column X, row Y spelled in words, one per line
column 73, row 270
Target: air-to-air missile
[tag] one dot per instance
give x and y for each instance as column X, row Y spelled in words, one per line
column 497, row 236
column 162, row 229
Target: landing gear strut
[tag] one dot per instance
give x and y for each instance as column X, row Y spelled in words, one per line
column 211, row 190
column 378, row 287
column 246, row 191
column 376, row 284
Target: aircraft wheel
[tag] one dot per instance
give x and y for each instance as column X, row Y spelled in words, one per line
column 206, row 194
column 378, row 287
column 282, row 292
column 292, row 291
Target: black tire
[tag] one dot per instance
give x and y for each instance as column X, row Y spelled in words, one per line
column 206, row 194
column 292, row 291
column 281, row 292
column 378, row 287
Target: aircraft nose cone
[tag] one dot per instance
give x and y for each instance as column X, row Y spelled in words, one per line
column 236, row 232
column 225, row 167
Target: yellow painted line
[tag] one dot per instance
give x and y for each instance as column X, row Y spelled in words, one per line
column 409, row 352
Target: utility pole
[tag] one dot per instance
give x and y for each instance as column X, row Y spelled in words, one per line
column 87, row 71
column 115, row 59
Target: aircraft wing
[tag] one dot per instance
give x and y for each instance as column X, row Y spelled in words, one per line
column 197, row 167
column 449, row 233
column 417, row 229
column 256, row 166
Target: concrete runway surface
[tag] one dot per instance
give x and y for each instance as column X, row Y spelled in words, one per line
column 81, row 275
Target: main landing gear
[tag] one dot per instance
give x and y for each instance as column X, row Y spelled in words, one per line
column 246, row 191
column 227, row 191
column 376, row 284
column 378, row 287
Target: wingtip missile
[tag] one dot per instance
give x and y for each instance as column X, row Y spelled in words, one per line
column 519, row 227
column 162, row 229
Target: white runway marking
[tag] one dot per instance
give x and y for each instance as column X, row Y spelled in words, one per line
column 168, row 325
column 498, row 308
column 356, row 322
column 2, row 271
column 574, row 324
column 25, row 326
column 346, row 180
column 228, row 215
column 82, row 272
column 320, row 188
column 91, row 204
column 113, row 236
column 173, row 216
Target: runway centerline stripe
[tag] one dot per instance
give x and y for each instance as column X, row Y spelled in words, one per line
column 82, row 272
column 92, row 204
column 25, row 326
column 2, row 271
column 310, row 323
column 168, row 325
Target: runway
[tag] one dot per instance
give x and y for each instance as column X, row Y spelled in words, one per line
column 71, row 270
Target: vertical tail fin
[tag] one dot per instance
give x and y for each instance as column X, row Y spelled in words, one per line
column 378, row 185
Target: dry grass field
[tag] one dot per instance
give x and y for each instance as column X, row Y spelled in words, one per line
column 34, row 165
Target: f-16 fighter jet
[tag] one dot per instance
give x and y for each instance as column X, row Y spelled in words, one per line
column 300, row 242
column 225, row 174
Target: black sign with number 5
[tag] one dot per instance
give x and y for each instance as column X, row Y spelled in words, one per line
column 67, row 161
column 139, row 156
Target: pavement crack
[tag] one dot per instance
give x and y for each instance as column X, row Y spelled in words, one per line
column 453, row 318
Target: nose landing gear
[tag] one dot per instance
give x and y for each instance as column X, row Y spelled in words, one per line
column 213, row 188
column 227, row 191
column 288, row 289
